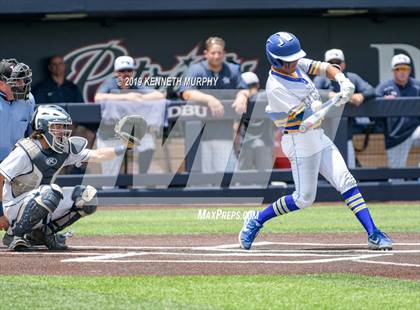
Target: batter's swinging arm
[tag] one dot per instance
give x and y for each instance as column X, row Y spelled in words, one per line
column 313, row 119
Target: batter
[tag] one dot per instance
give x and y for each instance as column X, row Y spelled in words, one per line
column 292, row 96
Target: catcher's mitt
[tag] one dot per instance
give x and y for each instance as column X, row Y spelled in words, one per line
column 131, row 129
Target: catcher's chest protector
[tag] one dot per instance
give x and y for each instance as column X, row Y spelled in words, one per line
column 45, row 166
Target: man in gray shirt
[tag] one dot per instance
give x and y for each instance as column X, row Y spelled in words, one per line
column 217, row 140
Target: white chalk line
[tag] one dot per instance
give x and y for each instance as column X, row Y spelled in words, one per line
column 234, row 246
column 313, row 261
column 228, row 250
column 262, row 243
column 45, row 253
column 388, row 263
column 132, row 254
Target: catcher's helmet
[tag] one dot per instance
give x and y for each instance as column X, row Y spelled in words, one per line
column 54, row 124
column 18, row 76
column 283, row 47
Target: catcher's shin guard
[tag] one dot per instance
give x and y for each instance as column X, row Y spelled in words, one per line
column 85, row 203
column 37, row 209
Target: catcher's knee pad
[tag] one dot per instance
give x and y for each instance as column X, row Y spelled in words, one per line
column 37, row 208
column 304, row 199
column 85, row 199
column 85, row 203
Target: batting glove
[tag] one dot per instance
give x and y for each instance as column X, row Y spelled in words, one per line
column 346, row 89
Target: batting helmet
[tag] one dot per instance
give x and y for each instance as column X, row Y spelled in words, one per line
column 54, row 124
column 283, row 47
column 18, row 76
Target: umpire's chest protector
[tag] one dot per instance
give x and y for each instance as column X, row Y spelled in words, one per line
column 46, row 164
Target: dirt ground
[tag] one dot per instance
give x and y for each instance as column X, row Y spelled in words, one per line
column 220, row 255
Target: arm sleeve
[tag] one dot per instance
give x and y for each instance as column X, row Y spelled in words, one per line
column 309, row 66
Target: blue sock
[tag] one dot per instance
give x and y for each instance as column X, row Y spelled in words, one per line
column 282, row 206
column 357, row 205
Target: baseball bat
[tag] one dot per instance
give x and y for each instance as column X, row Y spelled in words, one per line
column 310, row 121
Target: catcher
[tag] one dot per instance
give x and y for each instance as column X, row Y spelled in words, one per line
column 36, row 209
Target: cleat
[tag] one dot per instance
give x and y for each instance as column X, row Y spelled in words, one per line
column 7, row 239
column 51, row 241
column 379, row 241
column 19, row 244
column 249, row 230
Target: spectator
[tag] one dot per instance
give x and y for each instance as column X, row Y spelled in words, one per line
column 216, row 143
column 16, row 108
column 399, row 131
column 256, row 135
column 363, row 91
column 119, row 88
column 56, row 88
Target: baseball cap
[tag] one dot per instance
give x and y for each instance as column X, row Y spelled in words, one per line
column 124, row 62
column 334, row 53
column 250, row 78
column 400, row 59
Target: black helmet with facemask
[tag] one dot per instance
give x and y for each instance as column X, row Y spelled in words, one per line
column 54, row 124
column 18, row 76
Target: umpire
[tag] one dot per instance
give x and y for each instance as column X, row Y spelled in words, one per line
column 16, row 108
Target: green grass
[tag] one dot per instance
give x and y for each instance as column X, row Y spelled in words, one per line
column 332, row 218
column 336, row 291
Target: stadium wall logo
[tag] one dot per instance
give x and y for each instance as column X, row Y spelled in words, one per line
column 92, row 64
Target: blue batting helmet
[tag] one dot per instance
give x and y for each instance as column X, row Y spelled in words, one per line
column 283, row 47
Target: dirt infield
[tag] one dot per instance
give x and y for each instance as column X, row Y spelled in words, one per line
column 220, row 254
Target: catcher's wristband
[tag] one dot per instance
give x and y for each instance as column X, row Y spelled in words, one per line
column 119, row 150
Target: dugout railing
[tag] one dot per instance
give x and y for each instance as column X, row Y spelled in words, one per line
column 229, row 187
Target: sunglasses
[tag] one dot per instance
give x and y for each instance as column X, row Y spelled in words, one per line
column 125, row 71
column 402, row 68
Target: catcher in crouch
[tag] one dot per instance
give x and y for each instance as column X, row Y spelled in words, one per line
column 36, row 209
